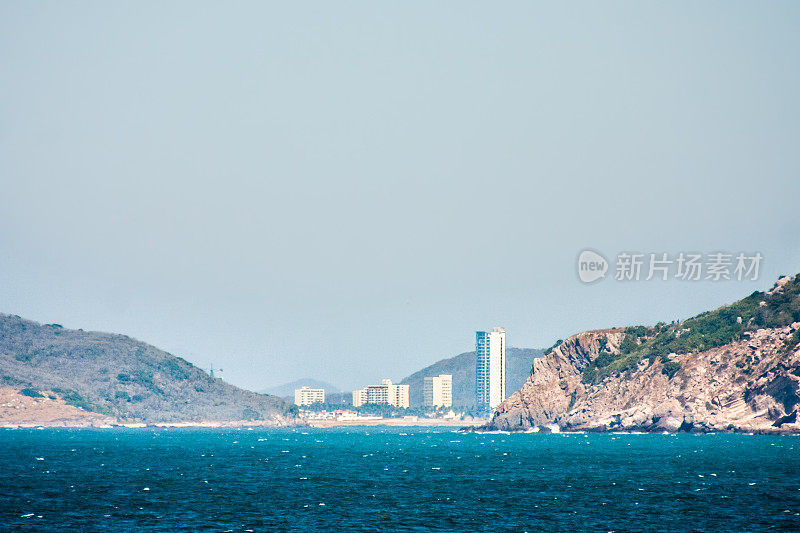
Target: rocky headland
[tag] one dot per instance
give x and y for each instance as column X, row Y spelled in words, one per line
column 733, row 369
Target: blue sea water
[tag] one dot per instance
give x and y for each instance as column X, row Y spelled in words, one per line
column 394, row 479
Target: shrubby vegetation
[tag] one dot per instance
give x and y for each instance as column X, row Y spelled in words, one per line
column 553, row 347
column 250, row 414
column 705, row 331
column 75, row 399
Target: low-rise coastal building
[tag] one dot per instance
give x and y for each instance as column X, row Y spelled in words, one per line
column 387, row 393
column 437, row 391
column 307, row 396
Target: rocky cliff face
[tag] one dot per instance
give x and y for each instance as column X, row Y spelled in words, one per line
column 749, row 384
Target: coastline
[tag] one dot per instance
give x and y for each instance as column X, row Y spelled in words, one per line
column 778, row 431
column 106, row 424
column 473, row 425
column 300, row 423
column 397, row 422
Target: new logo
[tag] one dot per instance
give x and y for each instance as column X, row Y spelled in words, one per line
column 591, row 266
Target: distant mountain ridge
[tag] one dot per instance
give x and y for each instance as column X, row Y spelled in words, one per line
column 121, row 377
column 287, row 389
column 462, row 368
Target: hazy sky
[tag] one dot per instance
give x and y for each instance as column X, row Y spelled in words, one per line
column 348, row 191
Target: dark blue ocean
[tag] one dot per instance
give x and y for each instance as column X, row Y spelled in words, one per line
column 394, row 479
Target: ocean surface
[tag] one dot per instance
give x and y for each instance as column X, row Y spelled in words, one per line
column 394, row 479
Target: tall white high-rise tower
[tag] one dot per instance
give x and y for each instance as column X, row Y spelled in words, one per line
column 490, row 375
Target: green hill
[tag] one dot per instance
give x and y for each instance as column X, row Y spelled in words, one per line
column 121, row 377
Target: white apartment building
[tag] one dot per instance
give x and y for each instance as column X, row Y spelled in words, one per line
column 387, row 393
column 490, row 385
column 437, row 391
column 307, row 396
column 359, row 397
